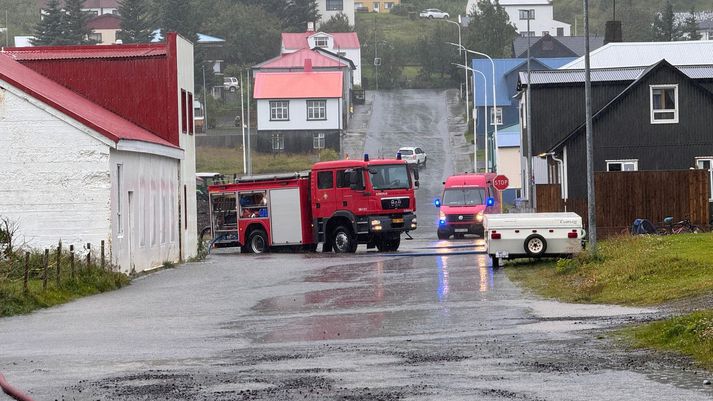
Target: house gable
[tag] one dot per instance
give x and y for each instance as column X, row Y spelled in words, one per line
column 548, row 47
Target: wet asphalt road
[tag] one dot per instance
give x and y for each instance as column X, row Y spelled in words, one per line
column 443, row 325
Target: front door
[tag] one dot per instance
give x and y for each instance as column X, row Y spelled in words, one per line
column 325, row 200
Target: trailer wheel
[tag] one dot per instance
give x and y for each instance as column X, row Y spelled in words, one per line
column 535, row 245
column 343, row 241
column 257, row 241
column 496, row 261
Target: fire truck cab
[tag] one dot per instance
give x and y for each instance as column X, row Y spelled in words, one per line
column 340, row 204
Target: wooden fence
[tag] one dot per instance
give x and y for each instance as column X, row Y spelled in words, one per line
column 622, row 197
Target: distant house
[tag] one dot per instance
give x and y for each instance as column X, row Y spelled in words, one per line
column 95, row 7
column 704, row 20
column 509, row 158
column 329, row 8
column 86, row 156
column 299, row 111
column 549, row 46
column 104, row 28
column 638, row 54
column 344, row 44
column 645, row 118
column 542, row 14
column 213, row 49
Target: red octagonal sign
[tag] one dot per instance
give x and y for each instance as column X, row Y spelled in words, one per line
column 501, row 183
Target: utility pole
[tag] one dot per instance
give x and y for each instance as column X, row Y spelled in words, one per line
column 249, row 151
column 530, row 176
column 242, row 123
column 591, row 190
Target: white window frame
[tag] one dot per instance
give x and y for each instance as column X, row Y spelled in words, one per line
column 530, row 14
column 316, row 110
column 653, row 112
column 496, row 112
column 321, row 41
column 278, row 142
column 623, row 162
column 279, row 110
column 318, row 140
column 710, row 172
column 329, row 5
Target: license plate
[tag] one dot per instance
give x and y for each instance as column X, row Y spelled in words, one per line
column 397, row 220
column 501, row 254
column 461, row 230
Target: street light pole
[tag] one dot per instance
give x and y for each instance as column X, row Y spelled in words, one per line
column 242, row 123
column 591, row 198
column 495, row 101
column 465, row 62
column 528, row 111
column 485, row 115
column 205, row 105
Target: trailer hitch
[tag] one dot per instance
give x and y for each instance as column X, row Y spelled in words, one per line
column 409, row 237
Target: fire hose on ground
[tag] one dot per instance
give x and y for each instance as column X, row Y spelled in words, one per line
column 13, row 392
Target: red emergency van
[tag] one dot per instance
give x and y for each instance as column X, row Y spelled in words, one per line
column 339, row 203
column 465, row 200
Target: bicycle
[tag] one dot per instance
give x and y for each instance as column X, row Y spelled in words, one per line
column 682, row 227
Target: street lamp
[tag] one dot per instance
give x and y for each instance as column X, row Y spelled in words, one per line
column 527, row 14
column 465, row 62
column 495, row 113
column 485, row 114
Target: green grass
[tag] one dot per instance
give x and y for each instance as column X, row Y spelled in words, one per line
column 229, row 161
column 690, row 335
column 642, row 270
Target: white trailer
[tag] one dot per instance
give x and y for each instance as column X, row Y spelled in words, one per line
column 532, row 235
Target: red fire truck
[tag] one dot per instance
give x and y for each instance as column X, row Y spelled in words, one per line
column 339, row 203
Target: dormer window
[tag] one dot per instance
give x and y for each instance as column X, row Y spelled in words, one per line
column 321, row 41
column 664, row 104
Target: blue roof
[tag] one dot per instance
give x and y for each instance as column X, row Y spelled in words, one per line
column 503, row 68
column 509, row 137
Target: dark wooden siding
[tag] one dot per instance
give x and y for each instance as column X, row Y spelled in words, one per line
column 558, row 110
column 297, row 141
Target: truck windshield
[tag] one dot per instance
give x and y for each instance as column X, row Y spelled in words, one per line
column 463, row 196
column 394, row 176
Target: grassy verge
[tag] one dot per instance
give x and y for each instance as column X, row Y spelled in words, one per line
column 229, row 161
column 642, row 270
column 14, row 300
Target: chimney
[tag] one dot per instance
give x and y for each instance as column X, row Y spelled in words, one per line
column 308, row 65
column 612, row 32
column 310, row 27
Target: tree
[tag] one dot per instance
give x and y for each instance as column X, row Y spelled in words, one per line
column 690, row 26
column 338, row 23
column 635, row 22
column 177, row 16
column 435, row 55
column 136, row 26
column 50, row 30
column 665, row 28
column 490, row 30
column 76, row 31
column 297, row 13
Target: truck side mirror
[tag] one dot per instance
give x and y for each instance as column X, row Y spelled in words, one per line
column 437, row 202
column 415, row 177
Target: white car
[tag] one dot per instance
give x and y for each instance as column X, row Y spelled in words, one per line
column 413, row 155
column 231, row 83
column 432, row 13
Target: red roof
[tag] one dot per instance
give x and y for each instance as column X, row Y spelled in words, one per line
column 342, row 40
column 298, row 85
column 86, row 52
column 297, row 60
column 105, row 21
column 72, row 104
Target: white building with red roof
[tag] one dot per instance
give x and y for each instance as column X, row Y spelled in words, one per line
column 96, row 145
column 104, row 28
column 345, row 44
column 299, row 111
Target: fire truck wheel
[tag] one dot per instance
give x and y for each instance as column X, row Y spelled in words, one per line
column 257, row 241
column 388, row 245
column 343, row 241
column 535, row 245
column 443, row 235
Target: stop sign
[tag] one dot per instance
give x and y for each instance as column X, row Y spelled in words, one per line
column 501, row 182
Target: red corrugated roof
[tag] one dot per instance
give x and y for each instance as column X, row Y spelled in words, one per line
column 86, row 52
column 74, row 105
column 342, row 40
column 298, row 85
column 297, row 59
column 105, row 21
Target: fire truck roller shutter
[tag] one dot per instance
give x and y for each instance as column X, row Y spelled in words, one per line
column 285, row 224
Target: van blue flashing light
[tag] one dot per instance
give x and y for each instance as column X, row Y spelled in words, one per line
column 398, row 155
column 366, row 157
column 442, row 222
column 437, row 202
column 490, row 201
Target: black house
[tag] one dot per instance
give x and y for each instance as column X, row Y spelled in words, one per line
column 548, row 46
column 654, row 118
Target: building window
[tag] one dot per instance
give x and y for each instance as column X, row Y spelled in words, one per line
column 525, row 34
column 95, row 37
column 335, row 5
column 184, row 112
column 388, row 5
column 316, row 110
column 623, row 165
column 318, row 141
column 527, row 14
column 545, row 33
column 376, row 6
column 189, row 106
column 278, row 142
column 560, row 31
column 706, row 163
column 664, row 104
column 119, row 203
column 496, row 116
column 279, row 110
column 321, row 41
column 325, row 180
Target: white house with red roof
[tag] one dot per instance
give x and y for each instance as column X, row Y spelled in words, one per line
column 104, row 28
column 299, row 111
column 96, row 145
column 345, row 44
column 330, row 8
